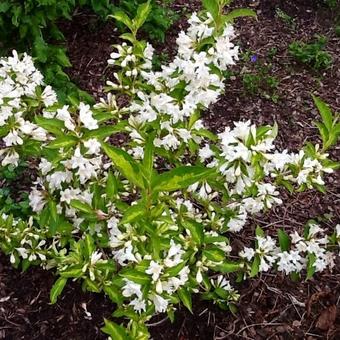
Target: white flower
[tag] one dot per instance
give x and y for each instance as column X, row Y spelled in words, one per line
column 125, row 254
column 39, row 134
column 148, row 51
column 242, row 130
column 337, row 230
column 155, row 270
column 137, row 152
column 22, row 252
column 138, row 305
column 221, row 282
column 11, row 158
column 64, row 115
column 36, row 200
column 45, row 166
column 290, row 262
column 93, row 146
column 205, row 153
column 95, row 257
column 13, row 138
column 160, row 303
column 131, row 288
column 313, row 230
column 57, row 178
column 48, row 96
column 85, row 116
column 247, row 253
column 174, row 255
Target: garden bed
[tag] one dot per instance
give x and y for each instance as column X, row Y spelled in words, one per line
column 271, row 306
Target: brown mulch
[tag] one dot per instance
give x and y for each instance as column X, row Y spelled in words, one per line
column 271, row 306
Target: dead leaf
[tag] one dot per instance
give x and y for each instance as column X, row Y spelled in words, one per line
column 327, row 318
column 315, row 298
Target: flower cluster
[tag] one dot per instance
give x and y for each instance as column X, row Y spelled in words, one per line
column 153, row 221
column 295, row 254
column 21, row 93
column 187, row 84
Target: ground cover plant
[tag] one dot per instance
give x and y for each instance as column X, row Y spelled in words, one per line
column 312, row 54
column 169, row 227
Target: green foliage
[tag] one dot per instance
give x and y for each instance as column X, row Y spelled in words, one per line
column 261, row 82
column 12, row 202
column 329, row 128
column 312, row 54
column 30, row 25
column 151, row 228
column 287, row 19
column 331, row 3
column 337, row 30
column 216, row 9
column 158, row 21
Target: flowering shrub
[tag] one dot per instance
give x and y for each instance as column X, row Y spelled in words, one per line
column 152, row 222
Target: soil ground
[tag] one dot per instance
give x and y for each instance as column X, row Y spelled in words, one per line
column 271, row 306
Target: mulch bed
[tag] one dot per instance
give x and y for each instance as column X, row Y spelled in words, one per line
column 271, row 306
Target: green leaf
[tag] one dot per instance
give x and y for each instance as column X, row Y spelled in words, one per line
column 185, row 297
column 61, row 57
column 255, row 267
column 143, row 12
column 105, row 131
column 41, row 49
column 52, row 125
column 125, row 312
column 53, row 210
column 325, row 112
column 57, row 289
column 173, row 271
column 148, row 155
column 284, row 240
column 196, row 230
column 236, row 13
column 133, row 213
column 135, row 276
column 125, row 164
column 111, row 186
column 122, row 17
column 4, row 7
column 259, row 231
column 91, row 286
column 227, row 267
column 311, row 258
column 128, row 37
column 180, row 178
column 89, row 245
column 214, row 254
column 208, row 134
column 72, row 272
column 113, row 293
column 81, row 206
column 115, row 331
column 62, row 142
column 212, row 6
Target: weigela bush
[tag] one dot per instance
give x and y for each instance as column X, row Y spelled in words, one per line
column 152, row 221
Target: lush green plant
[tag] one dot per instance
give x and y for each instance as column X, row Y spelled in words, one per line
column 160, row 18
column 259, row 81
column 337, row 31
column 312, row 54
column 152, row 223
column 30, row 25
column 332, row 3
